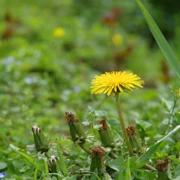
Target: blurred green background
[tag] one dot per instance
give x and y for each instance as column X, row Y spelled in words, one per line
column 51, row 49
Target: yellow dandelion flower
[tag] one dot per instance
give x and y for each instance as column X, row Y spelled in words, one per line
column 117, row 39
column 115, row 82
column 58, row 32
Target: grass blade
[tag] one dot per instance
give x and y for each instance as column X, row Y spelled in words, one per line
column 46, row 169
column 31, row 160
column 62, row 163
column 128, row 171
column 161, row 41
column 36, row 173
column 144, row 158
column 121, row 166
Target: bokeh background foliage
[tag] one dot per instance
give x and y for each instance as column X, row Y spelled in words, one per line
column 50, row 51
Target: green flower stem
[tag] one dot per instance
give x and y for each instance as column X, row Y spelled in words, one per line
column 126, row 138
column 85, row 149
column 171, row 115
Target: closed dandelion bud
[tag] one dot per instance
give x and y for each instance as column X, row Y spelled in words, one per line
column 53, row 164
column 162, row 167
column 134, row 140
column 106, row 134
column 75, row 127
column 40, row 141
column 97, row 159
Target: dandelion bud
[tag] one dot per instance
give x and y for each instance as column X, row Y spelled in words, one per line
column 76, row 130
column 106, row 134
column 97, row 159
column 162, row 167
column 40, row 141
column 53, row 164
column 134, row 140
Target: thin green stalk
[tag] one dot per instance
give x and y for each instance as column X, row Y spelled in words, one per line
column 126, row 138
column 85, row 149
column 128, row 171
column 171, row 114
column 36, row 172
column 46, row 169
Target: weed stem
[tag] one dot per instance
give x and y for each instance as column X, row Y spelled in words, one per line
column 171, row 114
column 126, row 138
column 85, row 149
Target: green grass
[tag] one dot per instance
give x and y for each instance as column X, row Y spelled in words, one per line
column 43, row 76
